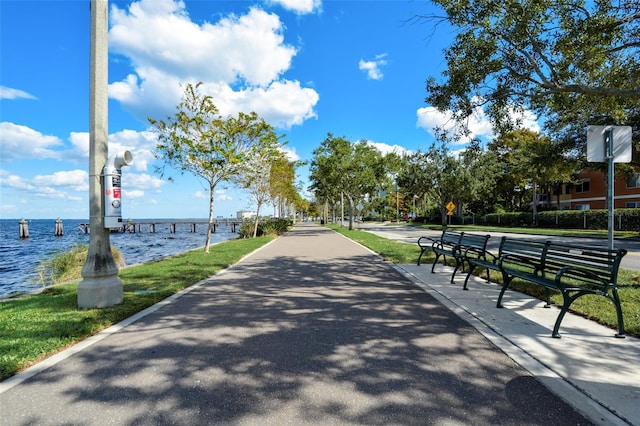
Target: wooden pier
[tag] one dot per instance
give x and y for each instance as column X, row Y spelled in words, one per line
column 132, row 226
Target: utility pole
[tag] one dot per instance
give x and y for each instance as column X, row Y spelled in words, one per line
column 100, row 286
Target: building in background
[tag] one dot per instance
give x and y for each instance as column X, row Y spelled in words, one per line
column 591, row 193
column 245, row 214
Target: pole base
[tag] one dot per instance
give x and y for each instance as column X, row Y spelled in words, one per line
column 99, row 292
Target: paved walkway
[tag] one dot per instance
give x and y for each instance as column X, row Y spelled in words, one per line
column 310, row 329
column 596, row 372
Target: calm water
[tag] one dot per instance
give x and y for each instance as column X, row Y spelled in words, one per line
column 19, row 258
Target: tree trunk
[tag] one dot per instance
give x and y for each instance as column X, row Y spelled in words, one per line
column 210, row 228
column 257, row 221
column 350, row 199
column 534, row 207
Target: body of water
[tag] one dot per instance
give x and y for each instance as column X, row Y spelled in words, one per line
column 19, row 258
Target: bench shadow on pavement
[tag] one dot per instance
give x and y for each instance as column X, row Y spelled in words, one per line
column 351, row 341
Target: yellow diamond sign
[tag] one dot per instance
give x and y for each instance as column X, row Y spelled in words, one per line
column 450, row 208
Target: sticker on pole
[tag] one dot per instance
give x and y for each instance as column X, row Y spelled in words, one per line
column 596, row 144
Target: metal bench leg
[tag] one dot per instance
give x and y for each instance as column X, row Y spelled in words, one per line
column 420, row 257
column 466, row 280
column 555, row 334
column 505, row 285
column 456, row 269
column 567, row 301
column 436, row 261
column 547, row 296
column 616, row 302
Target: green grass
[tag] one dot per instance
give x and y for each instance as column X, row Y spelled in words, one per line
column 37, row 326
column 593, row 307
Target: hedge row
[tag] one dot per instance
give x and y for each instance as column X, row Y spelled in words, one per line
column 624, row 219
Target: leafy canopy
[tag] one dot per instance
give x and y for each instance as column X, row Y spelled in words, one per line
column 555, row 57
column 197, row 139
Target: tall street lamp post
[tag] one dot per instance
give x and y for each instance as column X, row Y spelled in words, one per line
column 100, row 286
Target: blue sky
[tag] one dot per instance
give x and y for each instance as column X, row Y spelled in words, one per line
column 353, row 68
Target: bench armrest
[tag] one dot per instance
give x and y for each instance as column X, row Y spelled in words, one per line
column 426, row 241
column 478, row 253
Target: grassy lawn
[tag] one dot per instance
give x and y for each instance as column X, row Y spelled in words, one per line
column 37, row 326
column 594, row 307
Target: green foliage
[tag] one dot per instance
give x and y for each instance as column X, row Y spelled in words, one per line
column 36, row 326
column 266, row 226
column 528, row 159
column 437, row 177
column 342, row 168
column 67, row 265
column 200, row 141
column 624, row 219
column 554, row 57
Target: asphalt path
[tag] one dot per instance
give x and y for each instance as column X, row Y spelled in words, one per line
column 410, row 234
column 312, row 329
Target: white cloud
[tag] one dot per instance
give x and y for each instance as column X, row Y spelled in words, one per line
column 478, row 124
column 141, row 181
column 240, row 59
column 429, row 118
column 140, row 144
column 53, row 187
column 9, row 93
column 290, row 153
column 21, row 142
column 386, row 148
column 300, row 7
column 528, row 120
column 222, row 195
column 14, row 181
column 372, row 68
column 76, row 179
column 283, row 103
column 79, row 151
column 133, row 194
column 199, row 195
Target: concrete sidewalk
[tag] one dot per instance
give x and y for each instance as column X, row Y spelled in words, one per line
column 310, row 329
column 594, row 371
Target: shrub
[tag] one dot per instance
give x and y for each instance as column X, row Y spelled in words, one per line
column 266, row 226
column 67, row 265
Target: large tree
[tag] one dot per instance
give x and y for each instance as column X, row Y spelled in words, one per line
column 255, row 176
column 531, row 160
column 197, row 139
column 572, row 58
column 341, row 167
column 485, row 170
column 437, row 176
column 282, row 184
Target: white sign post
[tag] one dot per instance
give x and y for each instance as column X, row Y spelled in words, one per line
column 600, row 148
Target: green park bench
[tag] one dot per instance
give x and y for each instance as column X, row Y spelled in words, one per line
column 460, row 246
column 572, row 270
